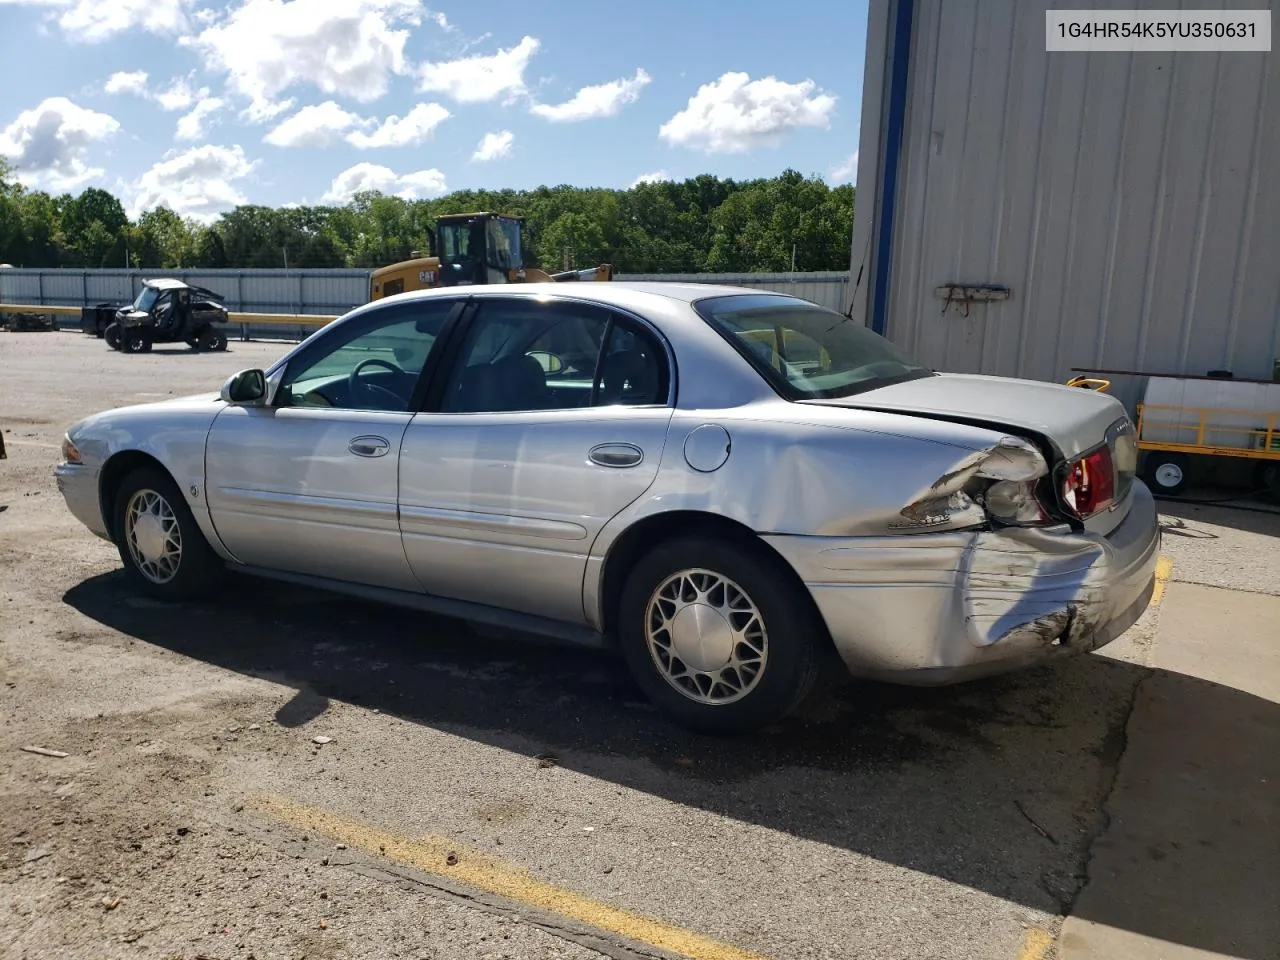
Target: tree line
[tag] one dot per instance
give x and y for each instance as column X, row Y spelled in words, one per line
column 704, row 224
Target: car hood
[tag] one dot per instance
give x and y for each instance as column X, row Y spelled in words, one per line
column 1074, row 419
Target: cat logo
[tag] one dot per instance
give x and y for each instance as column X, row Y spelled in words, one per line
column 426, row 277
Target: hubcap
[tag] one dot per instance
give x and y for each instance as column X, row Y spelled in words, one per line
column 1168, row 474
column 706, row 636
column 153, row 536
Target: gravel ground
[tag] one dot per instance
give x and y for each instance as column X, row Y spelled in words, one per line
column 884, row 822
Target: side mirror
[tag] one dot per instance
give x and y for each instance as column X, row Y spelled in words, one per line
column 246, row 388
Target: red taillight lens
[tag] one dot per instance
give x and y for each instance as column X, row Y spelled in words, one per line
column 1090, row 484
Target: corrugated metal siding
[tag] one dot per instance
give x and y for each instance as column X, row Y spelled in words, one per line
column 1128, row 200
column 825, row 287
column 333, row 291
column 255, row 291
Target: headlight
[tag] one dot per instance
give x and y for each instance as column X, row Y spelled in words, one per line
column 1011, row 501
column 70, row 453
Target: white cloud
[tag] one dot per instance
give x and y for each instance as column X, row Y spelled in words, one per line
column 371, row 176
column 494, row 146
column 49, row 143
column 191, row 125
column 130, row 81
column 414, row 127
column 95, row 20
column 179, row 96
column 658, row 176
column 601, row 100
column 480, row 78
column 846, row 169
column 735, row 114
column 346, row 49
column 318, row 125
column 198, row 182
column 326, row 123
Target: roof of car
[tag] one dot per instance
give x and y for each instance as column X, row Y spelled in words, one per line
column 608, row 291
column 167, row 283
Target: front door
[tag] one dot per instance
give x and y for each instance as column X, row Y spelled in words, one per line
column 549, row 421
column 309, row 484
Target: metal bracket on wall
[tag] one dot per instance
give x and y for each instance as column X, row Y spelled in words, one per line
column 968, row 293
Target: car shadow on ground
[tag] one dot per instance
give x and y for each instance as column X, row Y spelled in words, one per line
column 1249, row 516
column 998, row 785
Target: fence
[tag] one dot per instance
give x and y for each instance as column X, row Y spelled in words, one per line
column 325, row 291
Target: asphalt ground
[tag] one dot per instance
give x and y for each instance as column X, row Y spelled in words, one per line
column 479, row 796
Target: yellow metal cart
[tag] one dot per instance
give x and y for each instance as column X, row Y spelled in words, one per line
column 1169, row 434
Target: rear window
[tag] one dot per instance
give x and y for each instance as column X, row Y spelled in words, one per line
column 805, row 351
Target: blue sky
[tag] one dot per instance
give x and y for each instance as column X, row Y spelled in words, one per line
column 203, row 104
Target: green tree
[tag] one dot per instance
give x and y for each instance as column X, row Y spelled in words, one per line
column 12, row 238
column 210, row 253
column 163, row 239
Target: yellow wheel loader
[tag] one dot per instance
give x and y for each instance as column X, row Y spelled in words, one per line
column 472, row 248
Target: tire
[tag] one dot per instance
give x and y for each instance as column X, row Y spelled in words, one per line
column 112, row 336
column 132, row 342
column 1269, row 479
column 1167, row 474
column 148, row 552
column 211, row 339
column 790, row 634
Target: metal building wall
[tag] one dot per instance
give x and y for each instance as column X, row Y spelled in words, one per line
column 1129, row 200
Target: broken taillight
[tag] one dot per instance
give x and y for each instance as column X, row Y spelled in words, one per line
column 1090, row 483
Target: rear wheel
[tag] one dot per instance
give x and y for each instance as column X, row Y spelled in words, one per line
column 211, row 339
column 163, row 550
column 1166, row 473
column 1269, row 476
column 719, row 635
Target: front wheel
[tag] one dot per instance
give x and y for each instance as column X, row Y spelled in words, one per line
column 131, row 341
column 112, row 336
column 163, row 550
column 719, row 635
column 1167, row 473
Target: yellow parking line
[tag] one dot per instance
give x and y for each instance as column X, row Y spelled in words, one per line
column 1164, row 568
column 1035, row 945
column 433, row 853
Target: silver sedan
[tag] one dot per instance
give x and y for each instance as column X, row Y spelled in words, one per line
column 724, row 484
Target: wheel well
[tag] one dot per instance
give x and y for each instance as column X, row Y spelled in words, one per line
column 652, row 531
column 113, row 473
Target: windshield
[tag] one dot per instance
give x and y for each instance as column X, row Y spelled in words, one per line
column 504, row 244
column 146, row 299
column 805, row 351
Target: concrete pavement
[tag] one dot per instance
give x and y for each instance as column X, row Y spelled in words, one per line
column 1188, row 865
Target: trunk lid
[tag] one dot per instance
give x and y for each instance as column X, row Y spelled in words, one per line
column 1073, row 420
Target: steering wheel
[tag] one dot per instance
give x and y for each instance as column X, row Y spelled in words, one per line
column 355, row 384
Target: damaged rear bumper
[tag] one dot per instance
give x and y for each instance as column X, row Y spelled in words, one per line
column 932, row 609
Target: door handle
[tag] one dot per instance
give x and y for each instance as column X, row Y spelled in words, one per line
column 616, row 455
column 369, row 446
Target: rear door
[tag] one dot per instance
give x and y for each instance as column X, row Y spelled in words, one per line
column 309, row 485
column 549, row 419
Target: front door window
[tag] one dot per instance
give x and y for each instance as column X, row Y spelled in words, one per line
column 375, row 365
